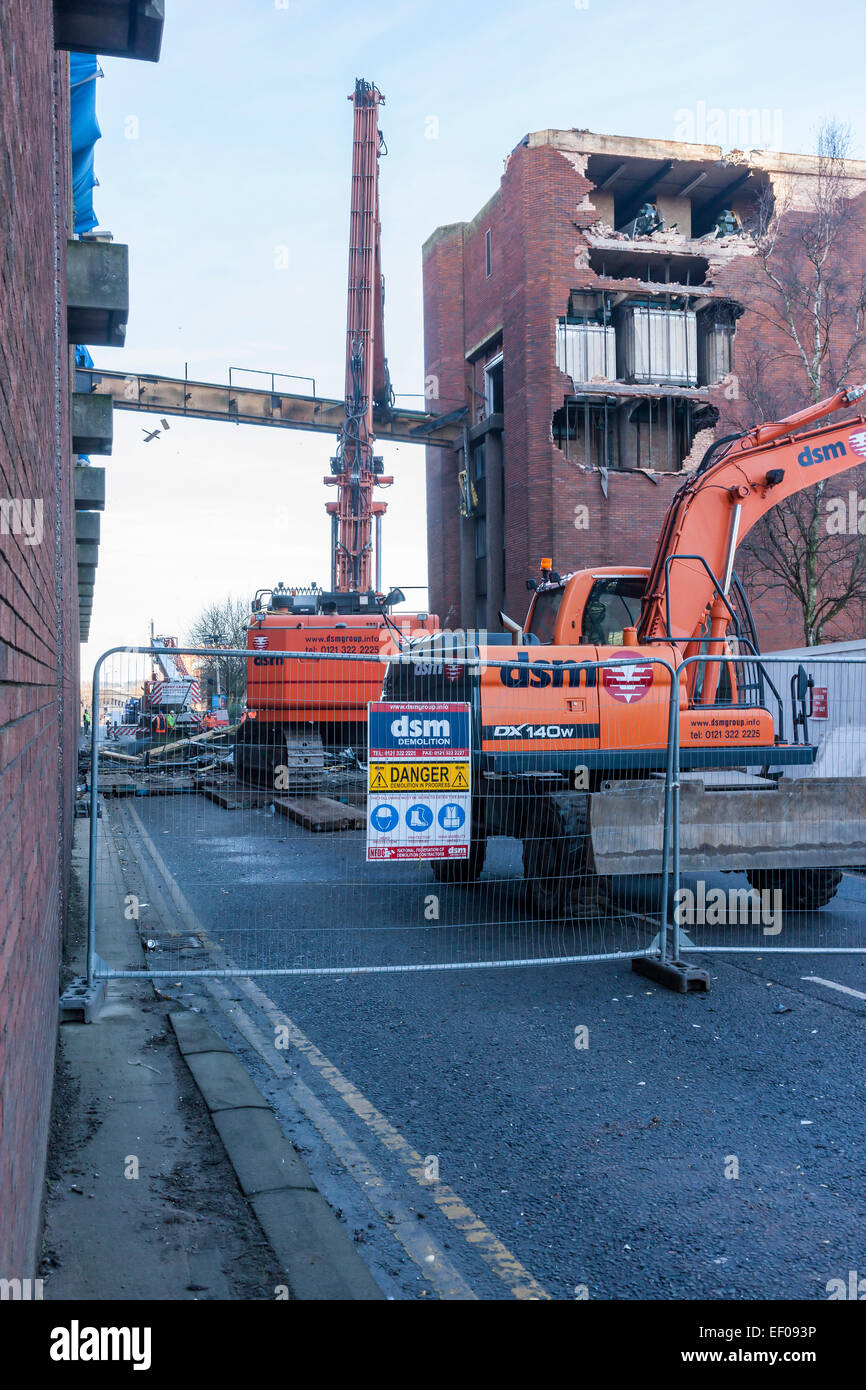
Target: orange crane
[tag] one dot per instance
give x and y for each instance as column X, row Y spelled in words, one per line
column 541, row 712
column 297, row 709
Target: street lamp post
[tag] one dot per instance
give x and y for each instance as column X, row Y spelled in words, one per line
column 214, row 638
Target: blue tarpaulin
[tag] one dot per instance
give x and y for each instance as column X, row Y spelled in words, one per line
column 83, row 359
column 83, row 72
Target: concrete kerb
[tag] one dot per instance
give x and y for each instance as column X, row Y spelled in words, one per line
column 319, row 1258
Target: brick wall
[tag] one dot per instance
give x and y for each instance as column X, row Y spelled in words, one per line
column 536, row 220
column 446, row 379
column 38, row 605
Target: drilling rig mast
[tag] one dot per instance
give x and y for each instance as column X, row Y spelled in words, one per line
column 355, row 471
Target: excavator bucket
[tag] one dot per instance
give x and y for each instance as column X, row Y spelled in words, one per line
column 795, row 823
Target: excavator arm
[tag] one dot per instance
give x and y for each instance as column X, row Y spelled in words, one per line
column 737, row 483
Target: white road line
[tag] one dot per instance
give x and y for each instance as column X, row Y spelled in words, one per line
column 400, row 1220
column 831, row 984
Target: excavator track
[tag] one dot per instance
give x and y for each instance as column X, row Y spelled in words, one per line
column 557, row 859
column 291, row 761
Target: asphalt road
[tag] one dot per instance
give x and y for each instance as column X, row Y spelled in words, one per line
column 697, row 1147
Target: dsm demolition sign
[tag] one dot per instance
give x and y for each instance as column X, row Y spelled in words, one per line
column 419, row 788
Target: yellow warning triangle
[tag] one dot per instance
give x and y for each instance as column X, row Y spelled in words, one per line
column 461, row 782
column 378, row 783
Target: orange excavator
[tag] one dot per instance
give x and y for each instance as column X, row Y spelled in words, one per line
column 299, row 710
column 569, row 757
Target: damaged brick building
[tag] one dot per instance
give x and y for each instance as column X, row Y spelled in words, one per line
column 597, row 321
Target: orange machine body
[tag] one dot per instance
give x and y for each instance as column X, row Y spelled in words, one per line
column 285, row 688
column 544, row 697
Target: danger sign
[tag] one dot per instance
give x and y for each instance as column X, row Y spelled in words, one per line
column 419, row 803
column 419, row 776
column 630, row 683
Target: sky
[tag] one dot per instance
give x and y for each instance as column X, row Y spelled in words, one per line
column 226, row 169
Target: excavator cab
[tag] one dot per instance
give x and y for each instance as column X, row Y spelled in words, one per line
column 543, row 612
column 589, row 607
column 613, row 604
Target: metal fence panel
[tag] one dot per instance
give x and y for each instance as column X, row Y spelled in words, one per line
column 771, row 855
column 241, row 848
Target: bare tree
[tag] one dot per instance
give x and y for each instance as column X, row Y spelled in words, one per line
column 810, row 292
column 223, row 624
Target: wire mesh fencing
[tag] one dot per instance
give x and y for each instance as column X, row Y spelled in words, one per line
column 279, row 811
column 770, row 806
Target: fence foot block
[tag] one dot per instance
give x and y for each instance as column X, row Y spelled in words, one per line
column 81, row 1002
column 673, row 974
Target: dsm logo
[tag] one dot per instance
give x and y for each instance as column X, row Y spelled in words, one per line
column 404, row 728
column 821, row 453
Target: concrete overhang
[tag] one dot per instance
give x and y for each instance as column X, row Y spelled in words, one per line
column 97, row 292
column 114, row 28
column 89, row 488
column 92, row 423
column 87, row 526
column 87, row 574
column 88, row 553
column 485, row 426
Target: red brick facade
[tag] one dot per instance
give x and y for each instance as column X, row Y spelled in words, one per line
column 536, row 223
column 39, row 702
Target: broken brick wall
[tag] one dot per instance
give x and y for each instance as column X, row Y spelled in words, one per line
column 537, row 221
column 537, row 254
column 39, row 702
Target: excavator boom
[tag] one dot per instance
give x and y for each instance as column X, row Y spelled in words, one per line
column 725, row 498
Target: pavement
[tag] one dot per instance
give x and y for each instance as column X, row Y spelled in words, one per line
column 700, row 1146
column 168, row 1176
